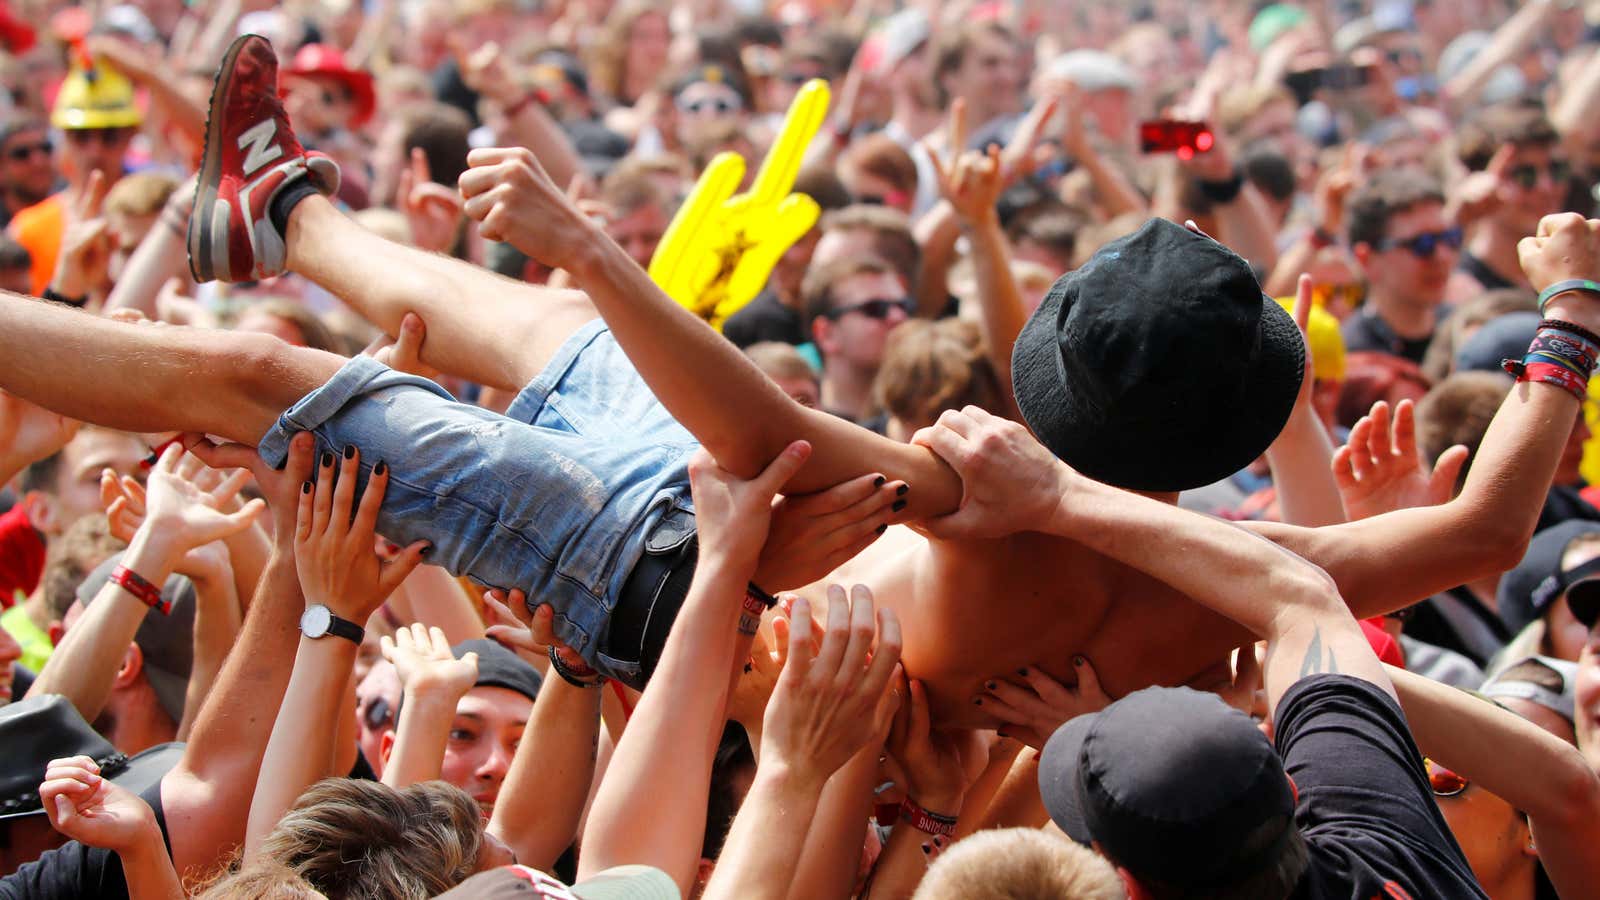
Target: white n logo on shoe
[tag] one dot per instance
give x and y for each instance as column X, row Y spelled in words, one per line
column 261, row 150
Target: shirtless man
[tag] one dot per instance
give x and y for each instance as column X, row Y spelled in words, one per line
column 563, row 502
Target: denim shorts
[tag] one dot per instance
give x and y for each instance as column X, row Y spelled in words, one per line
column 555, row 498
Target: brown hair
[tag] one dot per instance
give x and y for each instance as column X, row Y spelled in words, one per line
column 1439, row 361
column 317, row 335
column 1022, row 864
column 1458, row 411
column 608, row 55
column 953, row 47
column 931, row 366
column 626, row 190
column 892, row 239
column 363, row 840
column 440, row 131
column 1519, row 123
column 69, row 558
column 1388, row 194
column 140, row 194
column 880, row 156
column 1238, row 105
column 816, row 291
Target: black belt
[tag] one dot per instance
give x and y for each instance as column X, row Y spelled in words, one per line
column 653, row 594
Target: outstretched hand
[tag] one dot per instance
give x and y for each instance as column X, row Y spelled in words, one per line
column 1380, row 470
column 424, row 663
column 1033, row 705
column 732, row 515
column 334, row 537
column 929, row 760
column 29, row 433
column 833, row 700
column 530, row 635
column 176, row 510
column 432, row 210
column 280, row 487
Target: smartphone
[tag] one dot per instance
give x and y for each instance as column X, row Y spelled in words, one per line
column 1176, row 136
column 1342, row 77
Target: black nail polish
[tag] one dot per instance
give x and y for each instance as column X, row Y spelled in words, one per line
column 427, row 550
column 977, row 701
column 882, row 528
column 1023, row 672
column 380, row 468
column 327, row 459
column 350, row 452
column 989, row 686
column 927, row 850
column 902, row 490
column 880, row 481
column 305, row 487
column 898, row 505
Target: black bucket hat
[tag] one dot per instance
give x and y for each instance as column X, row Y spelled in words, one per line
column 1159, row 365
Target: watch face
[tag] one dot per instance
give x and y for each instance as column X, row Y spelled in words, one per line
column 315, row 620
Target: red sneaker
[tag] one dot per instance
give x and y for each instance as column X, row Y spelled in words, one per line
column 251, row 155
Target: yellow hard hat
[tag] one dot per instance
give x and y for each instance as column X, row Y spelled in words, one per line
column 1327, row 342
column 100, row 97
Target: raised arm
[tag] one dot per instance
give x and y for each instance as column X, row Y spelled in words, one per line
column 29, row 433
column 651, row 805
column 341, row 574
column 432, row 682
column 1520, row 763
column 738, row 413
column 93, row 811
column 1301, row 456
column 176, row 522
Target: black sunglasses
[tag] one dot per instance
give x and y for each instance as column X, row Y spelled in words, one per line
column 22, row 153
column 1424, row 245
column 1527, row 177
column 108, row 137
column 873, row 309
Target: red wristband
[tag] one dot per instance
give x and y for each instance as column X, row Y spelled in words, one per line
column 924, row 821
column 135, row 584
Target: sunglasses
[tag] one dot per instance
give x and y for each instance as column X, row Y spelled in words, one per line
column 1583, row 601
column 377, row 713
column 720, row 106
column 1350, row 293
column 26, row 151
column 1444, row 782
column 873, row 309
column 108, row 137
column 1527, row 177
column 1424, row 245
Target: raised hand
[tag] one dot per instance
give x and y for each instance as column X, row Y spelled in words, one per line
column 404, row 353
column 1010, row 482
column 422, row 658
column 176, row 510
column 929, row 760
column 530, row 635
column 973, row 185
column 91, row 810
column 432, row 210
column 334, row 539
column 486, row 72
column 1380, row 470
column 29, row 433
column 281, row 488
column 1479, row 194
column 814, row 534
column 1033, row 705
column 732, row 515
column 82, row 264
column 747, row 704
column 1566, row 246
column 830, row 702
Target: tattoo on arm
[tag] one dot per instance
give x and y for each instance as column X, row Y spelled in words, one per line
column 1313, row 663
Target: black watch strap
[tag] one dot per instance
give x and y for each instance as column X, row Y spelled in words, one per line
column 346, row 629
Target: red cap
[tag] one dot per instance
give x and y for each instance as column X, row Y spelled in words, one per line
column 1387, row 648
column 17, row 36
column 326, row 61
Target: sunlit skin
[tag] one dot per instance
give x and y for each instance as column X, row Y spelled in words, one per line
column 1405, row 289
column 1495, row 839
column 77, row 489
column 483, row 740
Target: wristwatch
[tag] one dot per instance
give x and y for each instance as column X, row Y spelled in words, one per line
column 319, row 621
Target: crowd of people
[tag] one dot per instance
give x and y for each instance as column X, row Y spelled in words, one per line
column 674, row 448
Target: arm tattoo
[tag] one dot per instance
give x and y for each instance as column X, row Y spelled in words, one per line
column 1313, row 663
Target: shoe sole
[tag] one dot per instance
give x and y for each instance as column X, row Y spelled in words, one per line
column 202, row 225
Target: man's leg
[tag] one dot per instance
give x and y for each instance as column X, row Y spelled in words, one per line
column 152, row 378
column 481, row 326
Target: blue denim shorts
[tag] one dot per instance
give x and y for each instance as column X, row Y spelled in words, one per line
column 556, row 497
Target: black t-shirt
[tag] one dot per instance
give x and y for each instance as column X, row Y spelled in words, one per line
column 1365, row 807
column 1563, row 504
column 74, row 870
column 765, row 319
column 1366, row 331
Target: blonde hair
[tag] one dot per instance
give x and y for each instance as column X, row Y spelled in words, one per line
column 780, row 360
column 140, row 194
column 1020, row 864
column 362, row 840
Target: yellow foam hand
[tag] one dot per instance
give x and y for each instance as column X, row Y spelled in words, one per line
column 720, row 248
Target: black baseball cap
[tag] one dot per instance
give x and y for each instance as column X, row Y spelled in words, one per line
column 1527, row 591
column 1159, row 365
column 1173, row 784
column 499, row 667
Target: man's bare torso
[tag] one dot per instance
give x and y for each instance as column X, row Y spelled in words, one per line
column 972, row 611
